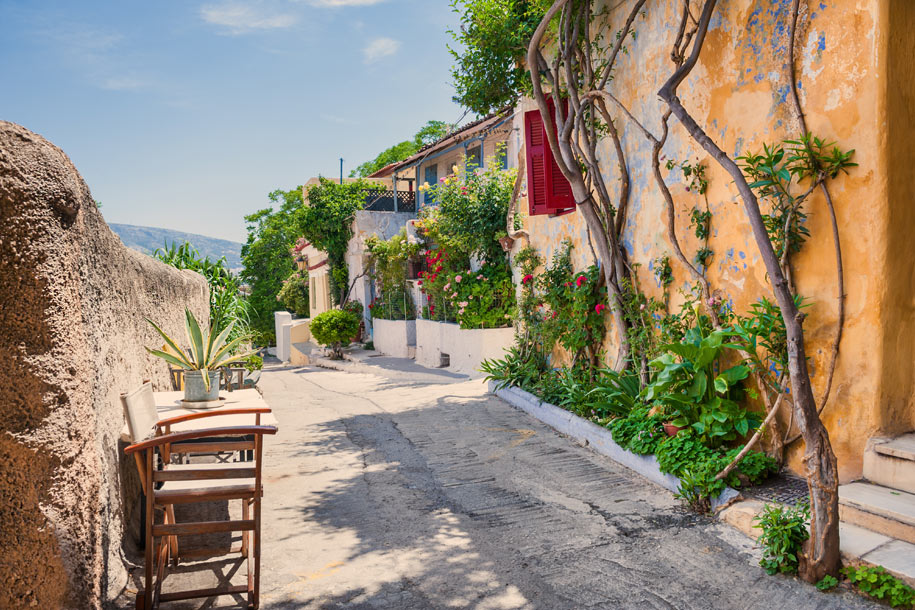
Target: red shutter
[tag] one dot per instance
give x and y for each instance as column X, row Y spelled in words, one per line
column 548, row 191
column 537, row 162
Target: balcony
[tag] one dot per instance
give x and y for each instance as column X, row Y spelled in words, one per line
column 383, row 201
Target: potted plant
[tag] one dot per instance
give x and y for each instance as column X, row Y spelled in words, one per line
column 201, row 363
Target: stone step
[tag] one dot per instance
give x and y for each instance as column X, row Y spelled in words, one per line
column 891, row 462
column 902, row 447
column 880, row 509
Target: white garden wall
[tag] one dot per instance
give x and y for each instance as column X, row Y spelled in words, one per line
column 394, row 337
column 466, row 348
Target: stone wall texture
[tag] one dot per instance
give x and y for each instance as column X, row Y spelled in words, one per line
column 854, row 72
column 72, row 304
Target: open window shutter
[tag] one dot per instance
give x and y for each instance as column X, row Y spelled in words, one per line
column 559, row 191
column 537, row 162
column 548, row 191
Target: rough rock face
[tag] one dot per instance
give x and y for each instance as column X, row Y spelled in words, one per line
column 72, row 330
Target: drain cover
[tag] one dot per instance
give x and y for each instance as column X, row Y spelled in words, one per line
column 785, row 489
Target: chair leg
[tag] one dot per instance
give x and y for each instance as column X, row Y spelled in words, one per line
column 245, row 511
column 172, row 540
column 257, row 547
column 150, row 517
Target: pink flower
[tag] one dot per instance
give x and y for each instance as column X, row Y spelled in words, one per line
column 527, row 278
column 447, row 286
column 480, row 277
column 457, row 279
column 580, row 280
column 599, row 307
column 463, row 304
column 442, row 180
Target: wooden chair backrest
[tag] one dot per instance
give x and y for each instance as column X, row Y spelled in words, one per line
column 140, row 412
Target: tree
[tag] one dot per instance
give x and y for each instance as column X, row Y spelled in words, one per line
column 327, row 222
column 431, row 132
column 266, row 258
column 489, row 72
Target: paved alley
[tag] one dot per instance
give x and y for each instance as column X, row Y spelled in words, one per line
column 415, row 489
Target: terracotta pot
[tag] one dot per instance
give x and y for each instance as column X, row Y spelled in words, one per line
column 672, row 430
column 507, row 242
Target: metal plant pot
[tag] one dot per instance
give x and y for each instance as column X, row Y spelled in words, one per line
column 195, row 390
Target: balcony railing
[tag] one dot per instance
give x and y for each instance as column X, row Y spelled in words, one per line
column 383, row 201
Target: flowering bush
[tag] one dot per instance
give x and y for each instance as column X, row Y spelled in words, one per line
column 470, row 210
column 562, row 306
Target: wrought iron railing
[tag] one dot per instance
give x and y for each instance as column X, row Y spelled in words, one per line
column 383, row 201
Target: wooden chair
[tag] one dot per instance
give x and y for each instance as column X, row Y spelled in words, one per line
column 143, row 422
column 194, row 483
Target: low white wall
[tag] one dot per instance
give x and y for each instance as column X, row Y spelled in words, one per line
column 394, row 337
column 280, row 320
column 466, row 348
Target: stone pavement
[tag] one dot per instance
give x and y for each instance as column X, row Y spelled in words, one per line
column 416, row 489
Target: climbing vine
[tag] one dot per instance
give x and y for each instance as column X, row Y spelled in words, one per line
column 773, row 186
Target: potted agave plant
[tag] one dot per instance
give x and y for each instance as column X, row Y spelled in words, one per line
column 201, row 363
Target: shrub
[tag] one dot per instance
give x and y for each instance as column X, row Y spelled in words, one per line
column 334, row 328
column 784, row 530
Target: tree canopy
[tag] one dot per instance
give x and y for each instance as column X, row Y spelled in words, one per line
column 266, row 256
column 492, row 40
column 430, row 132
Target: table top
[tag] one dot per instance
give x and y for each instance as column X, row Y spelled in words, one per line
column 169, row 404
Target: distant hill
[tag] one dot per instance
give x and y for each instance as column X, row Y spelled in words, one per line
column 148, row 239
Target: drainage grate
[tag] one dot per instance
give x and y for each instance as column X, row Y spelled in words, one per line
column 785, row 489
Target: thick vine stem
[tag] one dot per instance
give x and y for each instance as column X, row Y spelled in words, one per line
column 572, row 139
column 821, row 555
column 840, row 270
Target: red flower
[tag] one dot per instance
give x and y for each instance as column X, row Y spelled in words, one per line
column 599, row 307
column 439, row 268
column 568, row 284
column 419, row 283
column 527, row 278
column 580, row 280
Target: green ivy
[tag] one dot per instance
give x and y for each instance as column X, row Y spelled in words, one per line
column 327, row 222
column 877, row 582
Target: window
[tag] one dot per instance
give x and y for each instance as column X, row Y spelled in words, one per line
column 474, row 156
column 548, row 191
column 431, row 177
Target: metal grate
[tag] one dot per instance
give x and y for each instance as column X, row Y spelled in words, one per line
column 784, row 489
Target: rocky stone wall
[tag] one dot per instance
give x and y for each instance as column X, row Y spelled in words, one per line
column 73, row 300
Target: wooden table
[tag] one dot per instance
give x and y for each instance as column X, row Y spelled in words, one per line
column 168, row 404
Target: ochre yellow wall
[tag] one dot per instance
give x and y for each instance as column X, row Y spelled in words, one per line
column 855, row 65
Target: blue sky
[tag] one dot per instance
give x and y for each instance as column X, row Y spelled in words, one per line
column 184, row 114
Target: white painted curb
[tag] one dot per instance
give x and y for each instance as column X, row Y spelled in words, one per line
column 598, row 438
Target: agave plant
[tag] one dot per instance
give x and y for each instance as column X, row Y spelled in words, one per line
column 207, row 353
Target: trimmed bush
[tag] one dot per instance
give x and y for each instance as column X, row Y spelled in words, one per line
column 334, row 328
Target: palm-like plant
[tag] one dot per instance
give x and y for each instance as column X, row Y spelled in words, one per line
column 207, row 353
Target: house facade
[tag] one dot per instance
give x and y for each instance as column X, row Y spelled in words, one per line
column 853, row 73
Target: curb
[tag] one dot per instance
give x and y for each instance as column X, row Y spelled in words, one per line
column 599, row 439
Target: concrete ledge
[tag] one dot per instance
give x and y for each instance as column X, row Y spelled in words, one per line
column 598, row 438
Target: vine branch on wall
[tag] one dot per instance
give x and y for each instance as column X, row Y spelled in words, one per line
column 821, row 555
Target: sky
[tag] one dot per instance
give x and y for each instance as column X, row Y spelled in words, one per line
column 185, row 114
